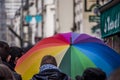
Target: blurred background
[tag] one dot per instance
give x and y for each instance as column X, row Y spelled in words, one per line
column 25, row 22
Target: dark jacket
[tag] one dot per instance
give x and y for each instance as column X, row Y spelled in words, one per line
column 50, row 74
column 16, row 75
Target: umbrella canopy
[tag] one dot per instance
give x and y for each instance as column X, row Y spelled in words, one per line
column 74, row 53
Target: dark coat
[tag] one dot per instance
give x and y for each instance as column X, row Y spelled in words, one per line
column 50, row 74
column 16, row 75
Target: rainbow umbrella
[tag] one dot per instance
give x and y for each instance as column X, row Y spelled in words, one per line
column 74, row 53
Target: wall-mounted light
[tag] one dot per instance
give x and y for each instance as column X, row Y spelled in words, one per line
column 89, row 8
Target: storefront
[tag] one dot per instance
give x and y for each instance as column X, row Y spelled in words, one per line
column 110, row 24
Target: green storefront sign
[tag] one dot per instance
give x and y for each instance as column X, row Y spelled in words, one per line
column 110, row 21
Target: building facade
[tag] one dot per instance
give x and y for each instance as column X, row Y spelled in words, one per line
column 3, row 28
column 110, row 24
column 84, row 10
column 28, row 23
column 13, row 21
column 64, row 16
column 49, row 17
column 86, row 16
column 78, row 16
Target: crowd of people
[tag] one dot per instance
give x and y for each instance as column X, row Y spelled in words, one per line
column 48, row 67
column 9, row 56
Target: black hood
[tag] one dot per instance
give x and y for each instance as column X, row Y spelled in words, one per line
column 51, row 74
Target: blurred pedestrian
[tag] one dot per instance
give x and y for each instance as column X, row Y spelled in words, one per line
column 115, row 75
column 14, row 54
column 93, row 74
column 27, row 48
column 4, row 45
column 0, row 60
column 7, row 58
column 78, row 77
column 4, row 51
column 6, row 73
column 49, row 70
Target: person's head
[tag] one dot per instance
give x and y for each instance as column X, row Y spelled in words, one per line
column 4, row 45
column 78, row 77
column 0, row 60
column 48, row 59
column 4, row 50
column 5, row 73
column 115, row 75
column 14, row 54
column 93, row 74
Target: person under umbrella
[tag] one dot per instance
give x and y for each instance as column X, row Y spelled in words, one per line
column 93, row 74
column 49, row 70
column 115, row 75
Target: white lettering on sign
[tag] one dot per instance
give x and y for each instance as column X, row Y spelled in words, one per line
column 111, row 24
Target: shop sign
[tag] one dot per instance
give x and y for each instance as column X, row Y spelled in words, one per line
column 94, row 18
column 110, row 21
